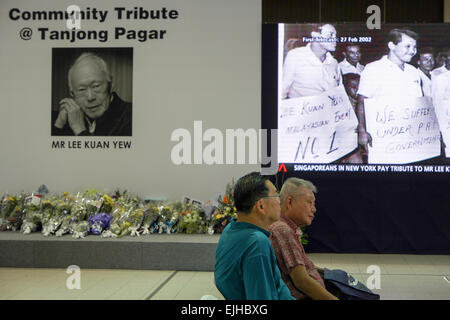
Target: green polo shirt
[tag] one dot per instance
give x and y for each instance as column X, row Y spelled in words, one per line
column 246, row 267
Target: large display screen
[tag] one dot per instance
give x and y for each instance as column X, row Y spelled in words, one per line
column 345, row 98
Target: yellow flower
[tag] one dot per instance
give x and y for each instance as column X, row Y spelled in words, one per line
column 234, row 209
column 218, row 216
column 108, row 199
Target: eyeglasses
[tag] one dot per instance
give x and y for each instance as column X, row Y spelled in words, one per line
column 274, row 197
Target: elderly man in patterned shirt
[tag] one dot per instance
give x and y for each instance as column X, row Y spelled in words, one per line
column 297, row 270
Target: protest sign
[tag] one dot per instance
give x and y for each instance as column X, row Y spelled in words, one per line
column 316, row 129
column 403, row 130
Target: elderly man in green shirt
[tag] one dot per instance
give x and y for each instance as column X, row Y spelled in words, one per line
column 246, row 267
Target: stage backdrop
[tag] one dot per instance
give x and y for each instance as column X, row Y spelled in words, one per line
column 175, row 61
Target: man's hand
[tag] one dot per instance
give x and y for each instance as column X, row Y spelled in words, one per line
column 308, row 285
column 364, row 139
column 75, row 115
column 62, row 118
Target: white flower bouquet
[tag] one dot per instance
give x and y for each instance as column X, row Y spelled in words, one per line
column 33, row 215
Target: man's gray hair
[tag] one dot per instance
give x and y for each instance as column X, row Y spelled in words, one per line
column 97, row 60
column 291, row 188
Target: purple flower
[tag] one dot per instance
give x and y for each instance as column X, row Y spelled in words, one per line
column 98, row 222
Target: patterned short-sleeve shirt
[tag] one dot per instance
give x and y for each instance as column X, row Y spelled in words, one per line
column 290, row 253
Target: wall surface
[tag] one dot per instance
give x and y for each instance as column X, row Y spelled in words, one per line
column 207, row 68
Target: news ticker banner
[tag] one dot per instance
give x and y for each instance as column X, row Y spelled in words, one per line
column 403, row 130
column 364, row 168
column 316, row 129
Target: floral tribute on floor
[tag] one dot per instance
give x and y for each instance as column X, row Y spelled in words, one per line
column 111, row 215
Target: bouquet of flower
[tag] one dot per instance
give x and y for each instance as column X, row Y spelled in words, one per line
column 222, row 218
column 150, row 220
column 33, row 215
column 7, row 206
column 99, row 222
column 14, row 221
column 136, row 217
column 80, row 230
column 225, row 212
column 132, row 219
column 60, row 218
column 119, row 224
column 129, row 223
column 48, row 209
column 77, row 216
column 107, row 204
column 114, row 228
column 92, row 200
column 67, row 219
column 192, row 220
column 167, row 220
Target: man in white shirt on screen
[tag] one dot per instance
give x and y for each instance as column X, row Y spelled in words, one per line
column 443, row 59
column 351, row 64
column 310, row 70
column 425, row 65
column 392, row 75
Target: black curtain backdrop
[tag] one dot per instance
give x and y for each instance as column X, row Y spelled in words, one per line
column 364, row 213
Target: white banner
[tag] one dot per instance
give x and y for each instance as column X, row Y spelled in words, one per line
column 316, row 129
column 441, row 101
column 402, row 130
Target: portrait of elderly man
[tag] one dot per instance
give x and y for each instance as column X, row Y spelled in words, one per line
column 93, row 108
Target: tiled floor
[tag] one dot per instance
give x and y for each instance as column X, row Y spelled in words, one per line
column 401, row 277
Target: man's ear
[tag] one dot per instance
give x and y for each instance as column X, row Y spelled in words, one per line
column 289, row 201
column 71, row 94
column 391, row 45
column 259, row 205
column 110, row 87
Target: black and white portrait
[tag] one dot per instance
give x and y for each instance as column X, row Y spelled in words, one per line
column 92, row 92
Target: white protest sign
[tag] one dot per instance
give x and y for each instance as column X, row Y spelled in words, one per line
column 403, row 130
column 316, row 129
column 441, row 102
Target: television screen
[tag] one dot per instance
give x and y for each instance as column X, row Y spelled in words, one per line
column 345, row 98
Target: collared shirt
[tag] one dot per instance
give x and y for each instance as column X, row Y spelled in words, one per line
column 438, row 71
column 116, row 121
column 305, row 75
column 246, row 267
column 385, row 78
column 441, row 99
column 290, row 253
column 425, row 82
column 347, row 67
